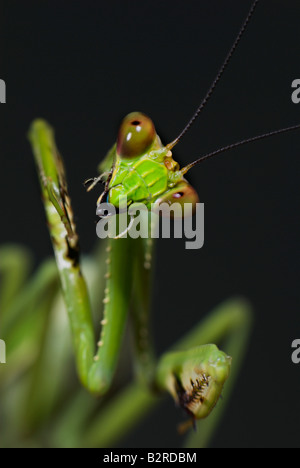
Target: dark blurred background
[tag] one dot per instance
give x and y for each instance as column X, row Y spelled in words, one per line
column 83, row 65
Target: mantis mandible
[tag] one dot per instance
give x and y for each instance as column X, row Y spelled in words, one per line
column 141, row 168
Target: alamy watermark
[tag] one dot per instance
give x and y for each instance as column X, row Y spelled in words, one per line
column 160, row 221
column 2, row 352
column 296, row 353
column 296, row 93
column 2, row 92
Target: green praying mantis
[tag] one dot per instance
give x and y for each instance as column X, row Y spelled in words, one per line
column 140, row 168
column 194, row 371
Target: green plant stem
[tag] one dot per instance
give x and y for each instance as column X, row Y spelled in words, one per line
column 15, row 264
column 119, row 416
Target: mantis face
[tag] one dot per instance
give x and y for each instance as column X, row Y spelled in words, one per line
column 144, row 170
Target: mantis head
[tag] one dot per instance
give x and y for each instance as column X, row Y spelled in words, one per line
column 136, row 137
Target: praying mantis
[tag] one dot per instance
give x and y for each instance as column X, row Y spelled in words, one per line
column 128, row 286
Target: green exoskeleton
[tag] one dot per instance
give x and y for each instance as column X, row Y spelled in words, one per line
column 141, row 169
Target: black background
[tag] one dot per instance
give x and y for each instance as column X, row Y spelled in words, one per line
column 83, row 65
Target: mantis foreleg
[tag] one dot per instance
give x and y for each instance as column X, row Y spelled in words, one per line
column 95, row 363
column 230, row 323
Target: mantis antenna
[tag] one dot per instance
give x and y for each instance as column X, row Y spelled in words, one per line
column 208, row 96
column 236, row 145
column 218, row 77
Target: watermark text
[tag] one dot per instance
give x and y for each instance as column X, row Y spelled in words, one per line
column 296, row 353
column 2, row 92
column 296, row 93
column 159, row 221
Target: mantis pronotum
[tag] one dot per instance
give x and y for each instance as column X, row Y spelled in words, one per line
column 96, row 368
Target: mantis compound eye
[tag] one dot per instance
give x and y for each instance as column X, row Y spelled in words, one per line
column 136, row 135
column 184, row 195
